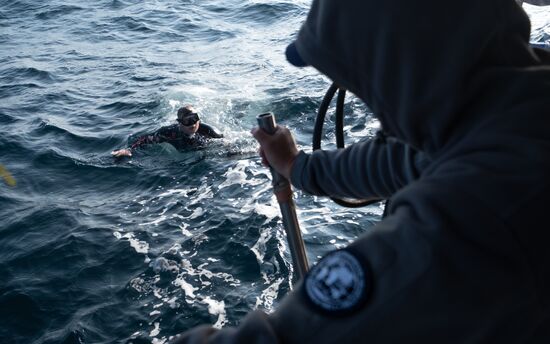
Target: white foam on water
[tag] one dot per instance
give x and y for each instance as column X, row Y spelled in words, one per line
column 258, row 192
column 280, row 235
column 203, row 279
column 155, row 331
column 318, row 213
column 184, row 230
column 377, row 210
column 138, row 245
column 216, row 308
column 194, row 90
column 269, row 295
column 196, row 213
column 175, row 249
column 156, row 222
column 174, row 103
column 233, row 176
column 203, row 193
column 138, row 284
column 259, row 248
column 540, row 20
column 162, row 264
column 172, row 303
column 187, row 288
column 202, row 272
column 270, row 210
column 237, row 175
column 177, row 192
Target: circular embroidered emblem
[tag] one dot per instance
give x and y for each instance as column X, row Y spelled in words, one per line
column 338, row 283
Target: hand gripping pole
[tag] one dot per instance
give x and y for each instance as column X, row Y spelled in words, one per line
column 283, row 192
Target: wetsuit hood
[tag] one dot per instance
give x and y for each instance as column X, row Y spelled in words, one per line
column 417, row 65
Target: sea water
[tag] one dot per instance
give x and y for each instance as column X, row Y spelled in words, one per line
column 97, row 250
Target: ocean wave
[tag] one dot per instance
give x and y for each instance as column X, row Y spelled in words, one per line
column 21, row 314
column 132, row 24
column 132, row 107
column 147, row 78
column 263, row 13
column 71, row 136
column 14, row 90
column 58, row 11
column 6, row 119
column 21, row 8
column 75, row 261
column 4, row 23
column 16, row 73
column 14, row 145
column 139, row 249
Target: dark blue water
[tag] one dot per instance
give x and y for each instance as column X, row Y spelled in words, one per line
column 94, row 250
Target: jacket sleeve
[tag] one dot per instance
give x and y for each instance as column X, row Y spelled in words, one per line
column 373, row 169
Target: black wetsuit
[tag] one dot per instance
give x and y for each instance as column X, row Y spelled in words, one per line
column 173, row 135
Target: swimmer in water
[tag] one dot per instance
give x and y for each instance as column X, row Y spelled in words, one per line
column 188, row 132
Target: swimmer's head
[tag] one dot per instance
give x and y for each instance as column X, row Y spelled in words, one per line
column 188, row 119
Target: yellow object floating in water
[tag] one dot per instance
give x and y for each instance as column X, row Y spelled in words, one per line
column 8, row 178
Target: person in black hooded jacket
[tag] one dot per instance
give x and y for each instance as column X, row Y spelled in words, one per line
column 461, row 256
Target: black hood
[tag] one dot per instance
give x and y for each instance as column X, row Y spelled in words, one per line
column 419, row 65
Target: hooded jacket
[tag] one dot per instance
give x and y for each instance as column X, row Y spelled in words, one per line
column 462, row 256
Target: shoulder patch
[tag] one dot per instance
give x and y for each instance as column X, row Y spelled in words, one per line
column 339, row 284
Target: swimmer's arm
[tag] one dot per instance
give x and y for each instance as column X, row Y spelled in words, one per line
column 209, row 131
column 127, row 152
column 157, row 137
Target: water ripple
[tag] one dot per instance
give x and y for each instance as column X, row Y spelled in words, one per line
column 139, row 249
column 57, row 12
column 12, row 74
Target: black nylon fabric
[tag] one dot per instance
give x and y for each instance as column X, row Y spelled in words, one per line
column 418, row 65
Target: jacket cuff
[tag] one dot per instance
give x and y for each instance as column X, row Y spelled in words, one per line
column 297, row 170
